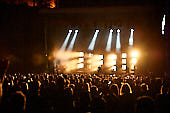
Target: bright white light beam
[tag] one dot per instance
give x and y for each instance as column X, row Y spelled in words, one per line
column 70, row 47
column 92, row 43
column 163, row 25
column 109, row 41
column 63, row 47
column 131, row 37
column 118, row 46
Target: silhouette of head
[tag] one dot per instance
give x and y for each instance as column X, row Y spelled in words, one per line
column 15, row 102
column 144, row 104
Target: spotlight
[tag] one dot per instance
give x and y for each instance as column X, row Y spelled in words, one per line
column 163, row 25
column 132, row 30
column 81, row 54
column 114, row 68
column 109, row 41
column 73, row 41
column 118, row 45
column 63, row 47
column 70, row 31
column 134, row 54
column 131, row 37
column 100, row 56
column 81, row 60
column 134, row 61
column 114, row 57
column 114, row 62
column 123, row 67
column 93, row 41
column 132, row 67
column 118, row 30
column 124, row 55
column 123, row 61
column 101, row 62
column 79, row 66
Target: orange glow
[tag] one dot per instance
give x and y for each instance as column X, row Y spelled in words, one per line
column 62, row 55
column 89, row 66
column 65, row 55
column 95, row 61
column 81, row 60
column 70, row 65
column 132, row 66
column 112, row 57
column 81, row 65
column 76, row 54
column 69, row 60
column 31, row 3
column 72, row 61
column 50, row 58
column 111, row 61
column 52, row 4
column 135, row 54
column 90, row 55
column 134, row 61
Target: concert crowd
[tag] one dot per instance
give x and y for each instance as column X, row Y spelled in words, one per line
column 84, row 93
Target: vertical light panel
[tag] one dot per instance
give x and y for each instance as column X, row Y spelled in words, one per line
column 100, row 60
column 109, row 41
column 124, row 61
column 118, row 45
column 131, row 37
column 92, row 43
column 70, row 47
column 111, row 61
column 114, row 68
column 80, row 64
column 163, row 25
column 132, row 66
column 123, row 67
column 89, row 61
column 124, row 55
column 63, row 47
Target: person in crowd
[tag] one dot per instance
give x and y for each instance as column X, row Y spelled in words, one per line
column 127, row 99
column 81, row 93
column 14, row 103
column 145, row 104
column 85, row 98
column 144, row 89
column 114, row 89
column 163, row 100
